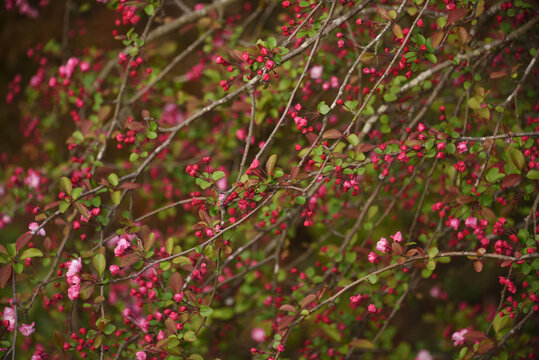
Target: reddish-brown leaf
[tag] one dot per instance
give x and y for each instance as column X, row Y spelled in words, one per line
column 321, row 292
column 285, row 321
column 287, row 307
column 488, row 214
column 203, row 215
column 510, row 180
column 498, row 74
column 176, row 283
column 129, row 186
column 411, row 252
column 455, row 15
column 397, row 249
column 51, row 205
column 332, row 134
column 5, row 275
column 465, row 199
column 383, row 13
column 171, row 325
column 485, row 346
column 474, row 335
column 478, row 266
column 23, row 240
column 135, row 125
column 366, row 147
column 307, row 300
column 506, row 263
column 82, row 210
column 129, row 259
column 436, row 38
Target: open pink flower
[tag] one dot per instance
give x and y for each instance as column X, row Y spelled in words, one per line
column 141, row 355
column 458, row 337
column 26, row 329
column 397, row 237
column 74, row 267
column 123, row 244
column 9, row 315
column 381, row 245
column 33, row 225
column 258, row 334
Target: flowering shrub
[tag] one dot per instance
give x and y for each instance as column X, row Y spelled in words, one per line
column 280, row 179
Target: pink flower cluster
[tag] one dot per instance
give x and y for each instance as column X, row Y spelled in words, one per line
column 458, row 337
column 9, row 322
column 73, row 279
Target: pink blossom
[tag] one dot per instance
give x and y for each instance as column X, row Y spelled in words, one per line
column 372, row 257
column 26, row 329
column 143, row 324
column 458, row 337
column 471, row 222
column 84, row 66
column 453, row 223
column 9, row 315
column 462, row 147
column 258, row 334
column 423, row 355
column 141, row 355
column 172, row 115
column 122, row 245
column 114, row 269
column 33, row 178
column 397, row 237
column 316, row 72
column 33, row 225
column 371, row 308
column 73, row 292
column 381, row 245
column 254, row 164
column 74, row 267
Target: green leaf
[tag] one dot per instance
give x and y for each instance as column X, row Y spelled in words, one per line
column 517, row 158
column 65, row 185
column 271, row 42
column 270, row 164
column 353, row 139
column 533, row 174
column 431, row 265
column 190, row 336
column 431, row 57
column 300, row 200
column 113, row 179
column 99, row 263
column 169, row 246
column 133, row 157
column 218, row 175
column 499, row 322
column 109, row 329
column 474, row 104
column 149, row 9
column 205, row 310
column 63, row 206
column 116, row 197
column 373, row 279
column 75, row 194
column 389, row 97
column 323, row 108
column 30, row 253
column 494, row 175
column 433, row 252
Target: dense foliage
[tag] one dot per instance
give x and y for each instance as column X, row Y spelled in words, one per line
column 305, row 179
